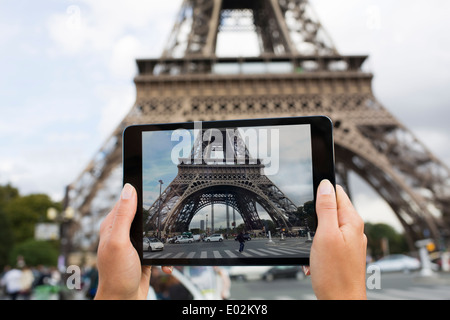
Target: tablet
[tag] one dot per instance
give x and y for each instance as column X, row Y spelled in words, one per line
column 238, row 192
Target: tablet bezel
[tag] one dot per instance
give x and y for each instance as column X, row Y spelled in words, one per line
column 323, row 167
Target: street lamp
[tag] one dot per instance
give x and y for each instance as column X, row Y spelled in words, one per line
column 159, row 211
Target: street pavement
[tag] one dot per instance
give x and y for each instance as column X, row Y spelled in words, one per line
column 255, row 248
column 394, row 286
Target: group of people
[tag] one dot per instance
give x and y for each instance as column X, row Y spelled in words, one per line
column 21, row 281
column 337, row 262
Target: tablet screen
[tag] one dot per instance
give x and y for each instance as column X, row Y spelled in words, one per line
column 227, row 194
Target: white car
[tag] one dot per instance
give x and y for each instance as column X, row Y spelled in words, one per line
column 183, row 240
column 214, row 237
column 152, row 244
column 248, row 272
column 397, row 262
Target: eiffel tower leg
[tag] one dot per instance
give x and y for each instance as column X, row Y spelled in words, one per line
column 383, row 171
column 342, row 178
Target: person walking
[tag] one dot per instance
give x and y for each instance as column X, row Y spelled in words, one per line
column 241, row 240
column 12, row 281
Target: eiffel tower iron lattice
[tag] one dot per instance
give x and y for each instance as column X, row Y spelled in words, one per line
column 297, row 72
column 234, row 179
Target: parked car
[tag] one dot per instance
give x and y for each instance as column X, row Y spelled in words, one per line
column 152, row 244
column 214, row 237
column 247, row 272
column 184, row 240
column 397, row 262
column 246, row 237
column 284, row 272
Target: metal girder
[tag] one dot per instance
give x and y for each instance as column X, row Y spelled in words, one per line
column 236, row 182
column 184, row 85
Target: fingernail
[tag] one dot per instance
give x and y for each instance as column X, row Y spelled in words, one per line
column 127, row 192
column 325, row 187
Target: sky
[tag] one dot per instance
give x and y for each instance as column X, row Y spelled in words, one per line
column 284, row 151
column 67, row 68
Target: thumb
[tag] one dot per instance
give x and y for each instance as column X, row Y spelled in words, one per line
column 326, row 206
column 126, row 210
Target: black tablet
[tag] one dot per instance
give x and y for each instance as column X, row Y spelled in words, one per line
column 238, row 192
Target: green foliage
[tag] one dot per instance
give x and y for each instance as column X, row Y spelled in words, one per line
column 306, row 214
column 6, row 239
column 24, row 212
column 376, row 232
column 7, row 194
column 18, row 217
column 35, row 253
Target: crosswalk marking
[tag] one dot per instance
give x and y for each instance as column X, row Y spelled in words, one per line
column 271, row 252
column 155, row 255
column 288, row 251
column 295, row 250
column 230, row 254
column 257, row 252
column 178, row 255
column 246, row 254
column 221, row 253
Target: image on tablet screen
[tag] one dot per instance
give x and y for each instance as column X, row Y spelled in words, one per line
column 206, row 189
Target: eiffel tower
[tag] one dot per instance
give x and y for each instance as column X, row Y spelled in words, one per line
column 298, row 72
column 220, row 176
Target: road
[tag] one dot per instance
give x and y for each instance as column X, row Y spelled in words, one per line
column 394, row 286
column 256, row 248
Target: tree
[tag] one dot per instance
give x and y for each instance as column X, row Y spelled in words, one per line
column 18, row 217
column 24, row 212
column 306, row 214
column 35, row 252
column 7, row 194
column 376, row 232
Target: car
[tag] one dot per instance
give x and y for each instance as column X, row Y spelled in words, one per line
column 214, row 237
column 246, row 237
column 397, row 262
column 248, row 272
column 183, row 239
column 178, row 237
column 152, row 244
column 284, row 272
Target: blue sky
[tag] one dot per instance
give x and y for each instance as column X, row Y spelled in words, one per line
column 67, row 68
column 290, row 158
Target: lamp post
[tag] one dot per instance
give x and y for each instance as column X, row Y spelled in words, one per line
column 159, row 211
column 63, row 219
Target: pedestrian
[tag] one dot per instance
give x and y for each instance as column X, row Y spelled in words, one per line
column 26, row 282
column 12, row 282
column 241, row 240
column 339, row 238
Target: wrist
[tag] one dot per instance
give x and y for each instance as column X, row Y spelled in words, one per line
column 105, row 294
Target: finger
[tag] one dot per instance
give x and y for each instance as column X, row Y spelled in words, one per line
column 326, row 206
column 167, row 270
column 106, row 226
column 347, row 214
column 109, row 219
column 306, row 270
column 124, row 213
column 145, row 275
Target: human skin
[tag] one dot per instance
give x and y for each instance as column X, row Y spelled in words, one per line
column 121, row 275
column 338, row 253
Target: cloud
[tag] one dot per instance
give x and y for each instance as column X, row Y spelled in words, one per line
column 92, row 26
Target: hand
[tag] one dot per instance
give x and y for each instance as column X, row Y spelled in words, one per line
column 338, row 253
column 121, row 275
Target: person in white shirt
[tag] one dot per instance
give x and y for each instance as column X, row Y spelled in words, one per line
column 12, row 280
